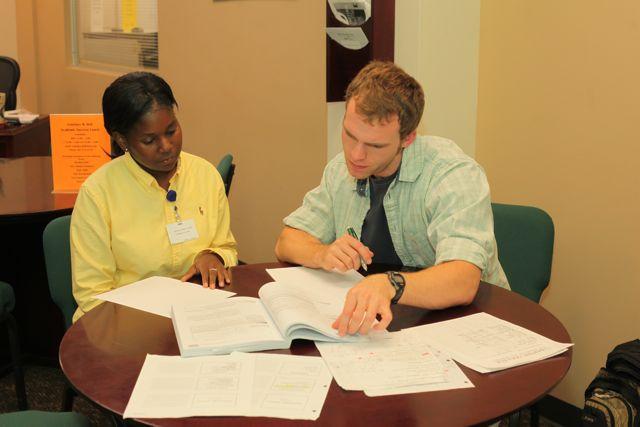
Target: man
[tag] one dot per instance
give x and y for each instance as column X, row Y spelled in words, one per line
column 416, row 201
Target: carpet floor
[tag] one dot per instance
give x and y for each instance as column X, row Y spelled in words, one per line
column 45, row 390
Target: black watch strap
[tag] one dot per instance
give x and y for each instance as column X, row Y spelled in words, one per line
column 397, row 281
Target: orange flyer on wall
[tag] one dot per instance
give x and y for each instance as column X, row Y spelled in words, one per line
column 79, row 145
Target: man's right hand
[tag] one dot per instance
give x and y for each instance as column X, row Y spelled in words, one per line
column 343, row 254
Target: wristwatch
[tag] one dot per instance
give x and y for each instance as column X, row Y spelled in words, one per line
column 397, row 281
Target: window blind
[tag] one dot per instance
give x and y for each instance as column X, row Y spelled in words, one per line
column 122, row 33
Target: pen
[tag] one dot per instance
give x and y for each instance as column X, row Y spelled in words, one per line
column 353, row 234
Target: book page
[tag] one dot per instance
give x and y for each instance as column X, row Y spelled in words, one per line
column 223, row 326
column 317, row 281
column 292, row 308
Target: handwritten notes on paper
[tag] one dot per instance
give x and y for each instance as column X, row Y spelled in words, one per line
column 79, row 146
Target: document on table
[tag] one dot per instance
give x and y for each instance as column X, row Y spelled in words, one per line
column 173, row 387
column 486, row 343
column 391, row 363
column 239, row 384
column 292, row 387
column 157, row 294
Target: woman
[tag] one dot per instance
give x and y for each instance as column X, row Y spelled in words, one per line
column 152, row 211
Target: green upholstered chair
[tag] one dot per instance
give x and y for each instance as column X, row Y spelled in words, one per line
column 57, row 256
column 227, row 168
column 525, row 248
column 43, row 419
column 7, row 302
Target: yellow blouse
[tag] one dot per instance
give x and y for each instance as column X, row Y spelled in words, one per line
column 119, row 225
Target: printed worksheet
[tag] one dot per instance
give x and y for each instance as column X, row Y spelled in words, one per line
column 239, row 384
column 391, row 363
column 174, row 387
column 486, row 343
column 285, row 386
column 157, row 294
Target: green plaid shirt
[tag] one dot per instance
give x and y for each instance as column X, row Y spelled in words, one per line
column 438, row 209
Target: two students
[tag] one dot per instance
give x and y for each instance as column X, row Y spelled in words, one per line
column 415, row 200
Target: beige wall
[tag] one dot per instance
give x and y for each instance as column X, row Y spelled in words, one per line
column 249, row 78
column 8, row 39
column 8, row 32
column 447, row 59
column 558, row 128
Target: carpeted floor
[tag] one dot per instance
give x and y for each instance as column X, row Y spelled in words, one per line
column 45, row 388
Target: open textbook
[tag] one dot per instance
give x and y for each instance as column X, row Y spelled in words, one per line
column 285, row 311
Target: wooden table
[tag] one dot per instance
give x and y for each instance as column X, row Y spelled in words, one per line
column 103, row 353
column 26, row 207
column 33, row 139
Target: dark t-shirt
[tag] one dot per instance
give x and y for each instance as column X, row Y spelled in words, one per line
column 375, row 229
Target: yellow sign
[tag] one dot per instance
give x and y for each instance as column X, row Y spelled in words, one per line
column 79, row 145
column 129, row 14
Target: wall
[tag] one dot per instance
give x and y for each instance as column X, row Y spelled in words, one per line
column 249, row 78
column 8, row 36
column 8, row 32
column 437, row 43
column 558, row 128
column 447, row 61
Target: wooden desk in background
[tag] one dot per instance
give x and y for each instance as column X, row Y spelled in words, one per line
column 26, row 140
column 26, row 207
column 103, row 352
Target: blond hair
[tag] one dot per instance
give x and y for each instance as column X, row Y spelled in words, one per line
column 381, row 90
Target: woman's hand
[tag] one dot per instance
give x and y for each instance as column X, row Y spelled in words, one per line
column 211, row 269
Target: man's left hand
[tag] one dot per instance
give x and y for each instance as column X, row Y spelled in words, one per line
column 367, row 299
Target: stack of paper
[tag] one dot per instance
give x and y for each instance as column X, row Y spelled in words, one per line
column 258, row 385
column 157, row 294
column 486, row 343
column 391, row 363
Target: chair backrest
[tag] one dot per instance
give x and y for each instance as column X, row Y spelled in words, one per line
column 525, row 247
column 227, row 168
column 9, row 79
column 57, row 256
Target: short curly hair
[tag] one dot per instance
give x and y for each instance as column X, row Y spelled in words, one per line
column 382, row 89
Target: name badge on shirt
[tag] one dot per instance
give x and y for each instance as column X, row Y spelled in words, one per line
column 182, row 231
